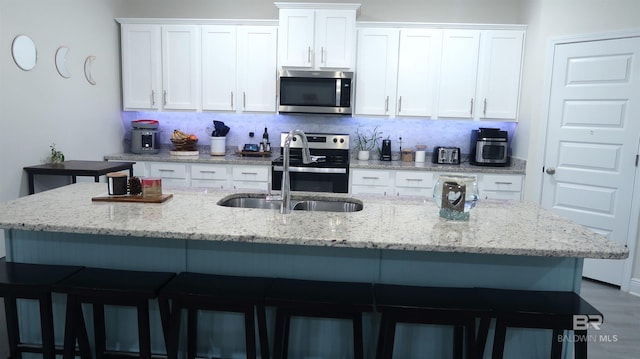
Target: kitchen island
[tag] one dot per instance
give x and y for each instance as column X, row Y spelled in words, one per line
column 514, row 245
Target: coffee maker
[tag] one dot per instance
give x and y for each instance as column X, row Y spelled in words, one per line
column 385, row 153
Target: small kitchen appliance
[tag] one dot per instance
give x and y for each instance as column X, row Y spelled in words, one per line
column 385, row 153
column 329, row 171
column 489, row 147
column 446, row 155
column 144, row 137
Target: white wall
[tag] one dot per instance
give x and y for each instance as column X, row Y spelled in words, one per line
column 40, row 107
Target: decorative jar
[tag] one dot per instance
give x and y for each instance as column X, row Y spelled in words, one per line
column 456, row 195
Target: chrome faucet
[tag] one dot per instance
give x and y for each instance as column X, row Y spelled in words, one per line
column 285, row 194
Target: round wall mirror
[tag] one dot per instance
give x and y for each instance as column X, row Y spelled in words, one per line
column 61, row 62
column 24, row 52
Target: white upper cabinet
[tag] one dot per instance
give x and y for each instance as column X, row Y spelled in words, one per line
column 376, row 71
column 317, row 38
column 418, row 67
column 480, row 74
column 219, row 73
column 501, row 54
column 141, row 71
column 397, row 71
column 180, row 67
column 160, row 66
column 239, row 68
column 257, row 77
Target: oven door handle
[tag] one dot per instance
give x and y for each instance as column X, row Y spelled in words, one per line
column 311, row 169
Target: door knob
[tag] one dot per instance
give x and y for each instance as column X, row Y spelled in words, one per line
column 551, row 171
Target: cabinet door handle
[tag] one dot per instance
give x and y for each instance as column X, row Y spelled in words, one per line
column 250, row 173
column 484, row 109
column 322, row 55
column 207, row 171
column 153, row 98
column 400, row 104
column 164, row 98
column 386, row 105
column 471, row 109
column 309, row 54
column 165, row 170
column 232, row 100
column 506, row 183
column 371, row 178
column 414, row 179
column 244, row 100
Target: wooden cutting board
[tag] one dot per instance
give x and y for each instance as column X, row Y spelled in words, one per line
column 139, row 199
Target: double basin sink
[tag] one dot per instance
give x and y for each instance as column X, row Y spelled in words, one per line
column 298, row 203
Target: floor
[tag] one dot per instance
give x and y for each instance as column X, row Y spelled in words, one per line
column 618, row 338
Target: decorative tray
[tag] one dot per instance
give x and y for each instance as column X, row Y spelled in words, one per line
column 136, row 198
column 254, row 154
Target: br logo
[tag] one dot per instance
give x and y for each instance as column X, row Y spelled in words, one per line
column 583, row 322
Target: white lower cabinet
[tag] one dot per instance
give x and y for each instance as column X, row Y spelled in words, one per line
column 365, row 181
column 172, row 174
column 499, row 186
column 251, row 177
column 421, row 183
column 414, row 183
column 210, row 176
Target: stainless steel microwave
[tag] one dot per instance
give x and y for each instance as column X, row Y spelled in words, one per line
column 320, row 92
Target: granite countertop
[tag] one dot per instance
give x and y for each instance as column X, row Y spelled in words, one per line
column 407, row 224
column 517, row 166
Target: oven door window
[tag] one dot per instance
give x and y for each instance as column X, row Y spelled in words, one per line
column 313, row 182
column 298, row 91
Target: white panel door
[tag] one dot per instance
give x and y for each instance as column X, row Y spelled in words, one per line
column 458, row 73
column 592, row 141
column 257, row 47
column 499, row 74
column 219, row 67
column 376, row 71
column 180, row 67
column 141, row 74
column 418, row 67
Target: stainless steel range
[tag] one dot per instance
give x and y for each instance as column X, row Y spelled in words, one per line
column 329, row 172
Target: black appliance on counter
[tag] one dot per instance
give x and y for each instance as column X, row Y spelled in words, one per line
column 489, row 147
column 385, row 151
column 446, row 155
column 328, row 174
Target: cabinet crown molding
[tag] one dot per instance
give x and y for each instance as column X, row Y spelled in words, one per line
column 317, row 6
column 174, row 21
column 435, row 25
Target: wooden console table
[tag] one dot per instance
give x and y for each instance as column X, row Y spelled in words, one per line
column 77, row 168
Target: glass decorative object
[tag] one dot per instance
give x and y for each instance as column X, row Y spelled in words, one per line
column 455, row 196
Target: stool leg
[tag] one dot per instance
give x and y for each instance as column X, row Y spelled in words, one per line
column 250, row 333
column 358, row 341
column 499, row 338
column 13, row 330
column 286, row 332
column 556, row 345
column 46, row 323
column 279, row 335
column 192, row 333
column 483, row 334
column 167, row 327
column 75, row 329
column 99, row 330
column 470, row 343
column 144, row 329
column 458, row 339
column 262, row 331
column 386, row 337
column 580, row 347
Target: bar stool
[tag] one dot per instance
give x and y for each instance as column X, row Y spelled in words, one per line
column 553, row 310
column 101, row 287
column 456, row 307
column 31, row 281
column 198, row 291
column 318, row 299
